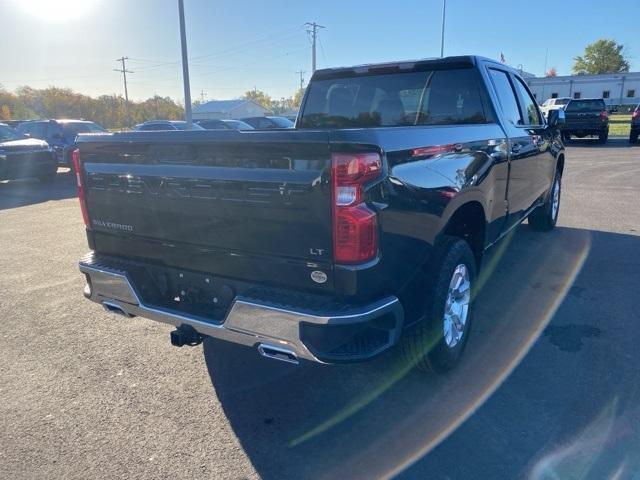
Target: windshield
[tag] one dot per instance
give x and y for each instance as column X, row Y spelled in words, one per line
column 585, row 105
column 71, row 129
column 7, row 134
column 442, row 97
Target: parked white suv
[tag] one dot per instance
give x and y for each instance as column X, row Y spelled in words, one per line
column 554, row 104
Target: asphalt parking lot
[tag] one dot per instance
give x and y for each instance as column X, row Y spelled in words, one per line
column 549, row 386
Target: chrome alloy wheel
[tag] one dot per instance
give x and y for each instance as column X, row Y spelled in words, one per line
column 456, row 309
column 555, row 199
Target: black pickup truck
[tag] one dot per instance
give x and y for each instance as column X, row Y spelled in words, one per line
column 362, row 227
column 587, row 116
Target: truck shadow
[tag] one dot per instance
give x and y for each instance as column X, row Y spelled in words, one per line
column 29, row 191
column 516, row 398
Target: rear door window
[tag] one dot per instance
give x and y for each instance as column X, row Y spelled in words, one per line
column 506, row 96
column 529, row 106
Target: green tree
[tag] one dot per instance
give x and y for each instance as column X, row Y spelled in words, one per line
column 602, row 56
column 260, row 97
column 297, row 98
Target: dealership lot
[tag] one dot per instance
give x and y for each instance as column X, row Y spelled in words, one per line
column 549, row 385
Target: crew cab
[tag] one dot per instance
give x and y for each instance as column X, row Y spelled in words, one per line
column 361, row 228
column 584, row 117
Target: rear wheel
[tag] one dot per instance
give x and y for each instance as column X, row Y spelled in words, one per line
column 438, row 340
column 544, row 217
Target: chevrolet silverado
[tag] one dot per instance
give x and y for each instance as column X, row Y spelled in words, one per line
column 362, row 227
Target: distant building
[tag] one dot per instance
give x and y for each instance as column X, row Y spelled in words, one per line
column 615, row 88
column 235, row 109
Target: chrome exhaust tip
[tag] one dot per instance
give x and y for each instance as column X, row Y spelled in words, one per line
column 115, row 308
column 278, row 353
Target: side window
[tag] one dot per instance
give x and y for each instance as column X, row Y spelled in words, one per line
column 529, row 107
column 24, row 128
column 38, row 130
column 54, row 128
column 506, row 96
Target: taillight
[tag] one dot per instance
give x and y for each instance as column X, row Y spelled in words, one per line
column 355, row 228
column 75, row 159
column 603, row 116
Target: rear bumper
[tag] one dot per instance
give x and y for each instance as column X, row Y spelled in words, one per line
column 595, row 129
column 22, row 166
column 343, row 334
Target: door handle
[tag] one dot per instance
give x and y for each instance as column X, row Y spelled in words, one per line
column 516, row 147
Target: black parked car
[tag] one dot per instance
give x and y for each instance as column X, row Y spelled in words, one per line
column 268, row 123
column 635, row 125
column 226, row 124
column 586, row 116
column 164, row 125
column 22, row 157
column 59, row 134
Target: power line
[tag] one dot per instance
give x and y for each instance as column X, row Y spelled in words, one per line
column 324, row 57
column 124, row 72
column 313, row 31
column 444, row 12
column 301, row 73
column 185, row 67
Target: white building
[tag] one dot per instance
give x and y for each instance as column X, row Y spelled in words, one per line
column 234, row 109
column 615, row 88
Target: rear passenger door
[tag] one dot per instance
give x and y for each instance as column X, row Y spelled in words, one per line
column 522, row 187
column 543, row 168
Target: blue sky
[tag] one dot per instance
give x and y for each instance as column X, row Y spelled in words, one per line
column 238, row 45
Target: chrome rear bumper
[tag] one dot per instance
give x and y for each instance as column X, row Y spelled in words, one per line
column 249, row 322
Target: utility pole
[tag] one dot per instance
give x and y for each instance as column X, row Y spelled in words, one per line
column 301, row 73
column 444, row 13
column 124, row 72
column 314, row 34
column 185, row 68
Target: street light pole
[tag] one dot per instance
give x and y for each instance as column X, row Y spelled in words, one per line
column 185, row 68
column 444, row 12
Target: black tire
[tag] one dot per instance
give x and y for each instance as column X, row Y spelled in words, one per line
column 602, row 137
column 544, row 218
column 633, row 137
column 425, row 346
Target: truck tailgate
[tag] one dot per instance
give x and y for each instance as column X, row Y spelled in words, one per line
column 207, row 195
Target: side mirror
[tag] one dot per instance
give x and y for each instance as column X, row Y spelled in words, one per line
column 556, row 117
